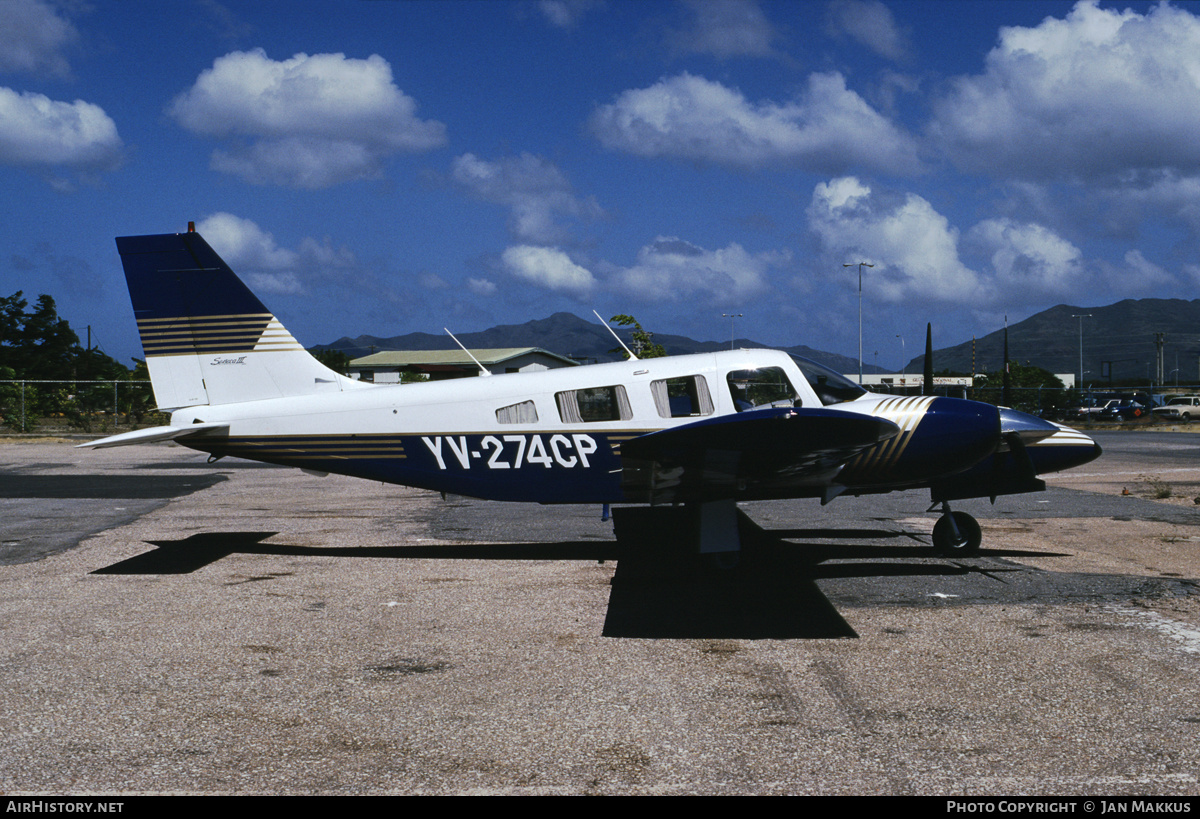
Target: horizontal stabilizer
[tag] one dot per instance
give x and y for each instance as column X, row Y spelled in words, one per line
column 747, row 455
column 154, row 434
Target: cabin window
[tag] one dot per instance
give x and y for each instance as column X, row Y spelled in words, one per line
column 682, row 397
column 594, row 404
column 523, row 413
column 762, row 387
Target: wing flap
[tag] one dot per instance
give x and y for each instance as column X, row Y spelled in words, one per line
column 153, row 434
column 752, row 454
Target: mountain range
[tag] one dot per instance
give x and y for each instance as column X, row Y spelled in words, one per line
column 1119, row 341
column 569, row 335
column 1116, row 342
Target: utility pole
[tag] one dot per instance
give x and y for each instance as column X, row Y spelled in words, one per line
column 1081, row 317
column 1159, row 342
column 1006, row 389
column 861, row 265
column 927, row 373
column 731, row 317
column 973, row 367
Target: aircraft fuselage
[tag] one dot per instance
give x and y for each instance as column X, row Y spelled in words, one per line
column 464, row 437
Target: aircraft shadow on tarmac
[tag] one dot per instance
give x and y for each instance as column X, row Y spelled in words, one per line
column 136, row 487
column 661, row 588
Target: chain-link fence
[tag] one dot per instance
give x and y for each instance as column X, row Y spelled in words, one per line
column 29, row 405
column 1061, row 404
column 38, row 405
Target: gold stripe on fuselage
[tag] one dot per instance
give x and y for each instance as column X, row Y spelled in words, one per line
column 906, row 413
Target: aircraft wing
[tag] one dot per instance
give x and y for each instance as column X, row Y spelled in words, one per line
column 747, row 454
column 147, row 436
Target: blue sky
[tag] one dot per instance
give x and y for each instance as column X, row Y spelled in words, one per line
column 387, row 167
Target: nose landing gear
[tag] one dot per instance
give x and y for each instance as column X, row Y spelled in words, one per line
column 956, row 534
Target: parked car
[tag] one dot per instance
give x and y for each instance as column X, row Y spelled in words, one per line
column 1093, row 406
column 1179, row 408
column 1123, row 408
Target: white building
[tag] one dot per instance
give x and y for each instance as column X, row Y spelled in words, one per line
column 437, row 365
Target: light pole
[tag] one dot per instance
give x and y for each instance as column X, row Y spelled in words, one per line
column 1081, row 317
column 861, row 265
column 903, row 364
column 731, row 317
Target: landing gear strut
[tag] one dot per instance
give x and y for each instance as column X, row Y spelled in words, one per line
column 956, row 534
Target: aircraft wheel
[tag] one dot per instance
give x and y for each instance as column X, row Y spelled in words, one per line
column 969, row 536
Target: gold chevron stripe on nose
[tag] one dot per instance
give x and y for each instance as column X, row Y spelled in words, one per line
column 905, row 412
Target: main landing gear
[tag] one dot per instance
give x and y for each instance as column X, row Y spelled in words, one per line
column 956, row 534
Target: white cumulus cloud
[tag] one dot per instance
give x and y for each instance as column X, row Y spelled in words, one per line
column 252, row 253
column 1094, row 94
column 482, row 287
column 1140, row 274
column 725, row 28
column 306, row 122
column 1029, row 258
column 548, row 267
column 870, row 23
column 565, row 14
column 34, row 37
column 913, row 247
column 827, row 129
column 670, row 268
column 242, row 243
column 919, row 254
column 534, row 190
column 38, row 132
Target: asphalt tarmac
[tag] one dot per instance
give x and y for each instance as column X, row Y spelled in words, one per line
column 169, row 626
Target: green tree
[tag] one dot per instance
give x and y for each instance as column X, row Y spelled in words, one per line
column 1031, row 388
column 336, row 360
column 643, row 343
column 10, row 399
column 36, row 343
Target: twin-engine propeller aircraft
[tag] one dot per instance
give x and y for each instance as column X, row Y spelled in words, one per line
column 700, row 432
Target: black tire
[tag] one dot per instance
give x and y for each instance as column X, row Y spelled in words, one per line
column 970, row 536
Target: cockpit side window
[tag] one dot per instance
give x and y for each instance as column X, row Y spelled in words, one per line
column 761, row 387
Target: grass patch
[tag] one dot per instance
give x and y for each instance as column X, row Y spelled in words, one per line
column 1159, row 489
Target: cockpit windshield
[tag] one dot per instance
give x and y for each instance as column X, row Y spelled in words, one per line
column 830, row 387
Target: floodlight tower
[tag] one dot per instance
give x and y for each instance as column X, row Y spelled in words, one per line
column 861, row 265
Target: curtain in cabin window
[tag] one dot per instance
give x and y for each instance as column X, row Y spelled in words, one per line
column 522, row 413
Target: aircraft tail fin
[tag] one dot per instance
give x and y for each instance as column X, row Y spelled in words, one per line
column 207, row 338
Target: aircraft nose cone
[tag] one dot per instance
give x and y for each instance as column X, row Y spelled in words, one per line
column 1064, row 448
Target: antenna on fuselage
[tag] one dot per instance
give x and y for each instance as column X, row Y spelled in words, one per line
column 482, row 369
column 632, row 357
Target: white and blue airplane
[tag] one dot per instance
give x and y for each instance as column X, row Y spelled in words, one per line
column 698, row 432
